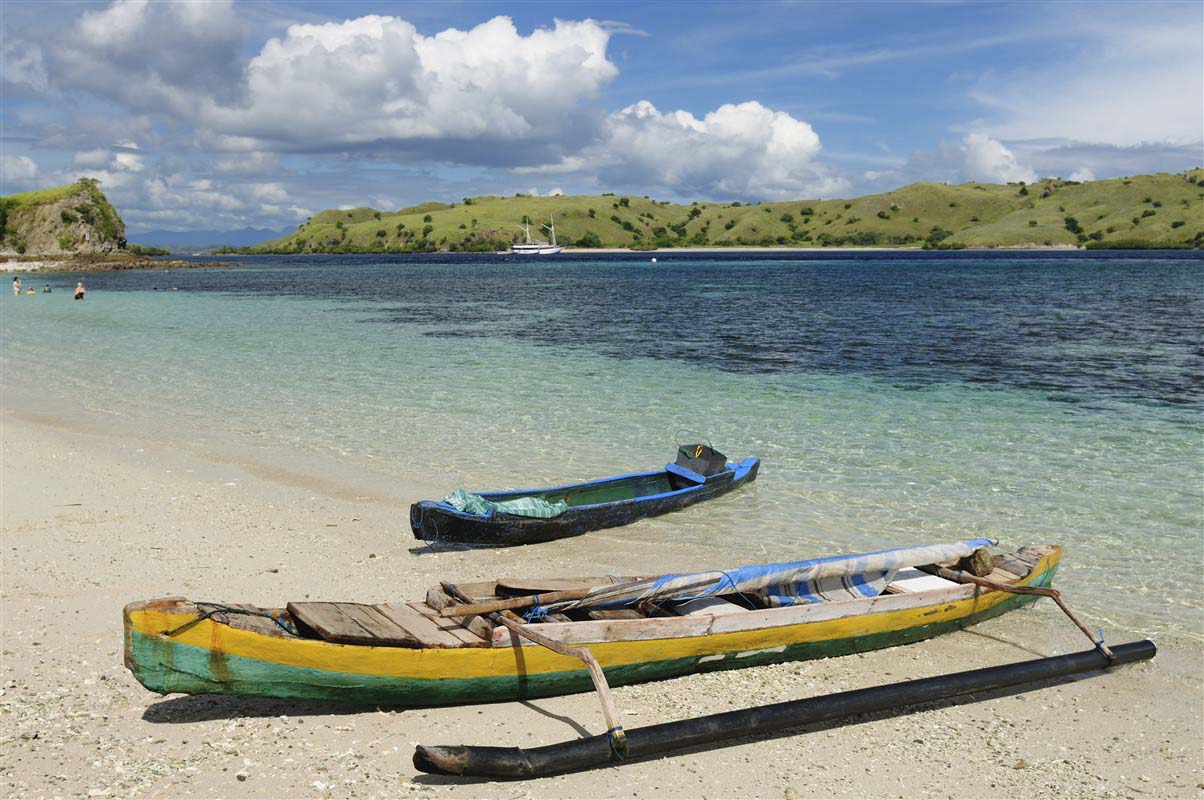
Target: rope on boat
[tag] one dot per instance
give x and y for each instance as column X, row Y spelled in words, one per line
column 618, row 742
column 218, row 608
column 418, row 523
column 537, row 612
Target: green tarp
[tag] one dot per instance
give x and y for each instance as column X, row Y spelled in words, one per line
column 520, row 506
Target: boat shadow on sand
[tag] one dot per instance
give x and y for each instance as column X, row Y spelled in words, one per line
column 210, row 707
column 206, row 708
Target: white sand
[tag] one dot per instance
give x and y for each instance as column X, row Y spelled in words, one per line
column 91, row 521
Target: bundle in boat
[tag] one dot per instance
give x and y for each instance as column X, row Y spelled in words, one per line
column 527, row 516
column 456, row 646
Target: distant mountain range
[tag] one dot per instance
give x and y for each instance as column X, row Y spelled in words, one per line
column 201, row 240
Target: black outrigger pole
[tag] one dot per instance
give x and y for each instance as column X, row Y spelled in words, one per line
column 515, row 762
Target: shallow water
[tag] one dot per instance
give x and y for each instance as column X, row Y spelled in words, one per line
column 895, row 398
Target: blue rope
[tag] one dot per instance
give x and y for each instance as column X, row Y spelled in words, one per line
column 536, row 612
column 618, row 747
column 731, row 582
column 1099, row 644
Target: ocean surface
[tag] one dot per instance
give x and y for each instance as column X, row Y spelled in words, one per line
column 895, row 398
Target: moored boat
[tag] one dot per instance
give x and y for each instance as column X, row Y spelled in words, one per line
column 530, row 248
column 576, row 508
column 637, row 629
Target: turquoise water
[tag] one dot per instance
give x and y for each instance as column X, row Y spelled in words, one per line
column 411, row 372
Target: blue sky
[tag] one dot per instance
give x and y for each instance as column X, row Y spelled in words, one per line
column 220, row 115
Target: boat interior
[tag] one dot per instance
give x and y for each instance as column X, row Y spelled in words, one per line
column 607, row 491
column 418, row 625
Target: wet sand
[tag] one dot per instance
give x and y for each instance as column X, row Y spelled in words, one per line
column 91, row 520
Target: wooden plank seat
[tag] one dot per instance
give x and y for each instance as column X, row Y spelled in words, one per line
column 382, row 625
column 438, row 599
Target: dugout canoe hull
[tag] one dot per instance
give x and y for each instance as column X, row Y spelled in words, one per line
column 212, row 657
column 648, row 494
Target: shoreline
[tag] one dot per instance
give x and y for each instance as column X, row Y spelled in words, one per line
column 93, row 518
column 670, row 250
column 112, row 262
column 97, row 262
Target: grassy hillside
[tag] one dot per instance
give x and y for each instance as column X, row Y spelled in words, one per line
column 76, row 218
column 1163, row 210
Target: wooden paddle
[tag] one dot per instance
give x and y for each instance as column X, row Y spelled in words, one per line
column 471, row 607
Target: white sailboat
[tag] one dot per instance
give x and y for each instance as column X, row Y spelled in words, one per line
column 530, row 248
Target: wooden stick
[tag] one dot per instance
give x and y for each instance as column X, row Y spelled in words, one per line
column 1041, row 591
column 471, row 607
column 610, row 713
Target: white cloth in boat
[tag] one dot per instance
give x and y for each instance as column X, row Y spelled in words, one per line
column 813, row 581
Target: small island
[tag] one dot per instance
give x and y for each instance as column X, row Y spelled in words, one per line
column 1161, row 211
column 70, row 228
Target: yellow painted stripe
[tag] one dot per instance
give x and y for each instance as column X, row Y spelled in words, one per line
column 469, row 662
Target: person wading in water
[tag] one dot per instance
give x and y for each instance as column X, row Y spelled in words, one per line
column 80, row 291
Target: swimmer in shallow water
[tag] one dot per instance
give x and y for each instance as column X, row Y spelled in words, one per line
column 80, row 291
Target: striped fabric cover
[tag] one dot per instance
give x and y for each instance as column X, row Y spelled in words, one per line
column 471, row 503
column 813, row 581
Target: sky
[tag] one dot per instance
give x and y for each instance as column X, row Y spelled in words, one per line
column 219, row 115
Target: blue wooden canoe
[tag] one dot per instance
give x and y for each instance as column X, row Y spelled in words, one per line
column 602, row 503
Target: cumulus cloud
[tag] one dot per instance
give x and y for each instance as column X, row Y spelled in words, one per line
column 16, row 171
column 985, row 159
column 371, row 83
column 744, row 151
column 376, row 83
column 22, row 67
column 124, row 159
column 974, row 158
column 153, row 56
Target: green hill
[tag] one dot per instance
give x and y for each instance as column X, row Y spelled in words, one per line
column 1163, row 210
column 77, row 218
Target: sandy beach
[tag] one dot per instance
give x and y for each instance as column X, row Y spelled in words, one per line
column 92, row 520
